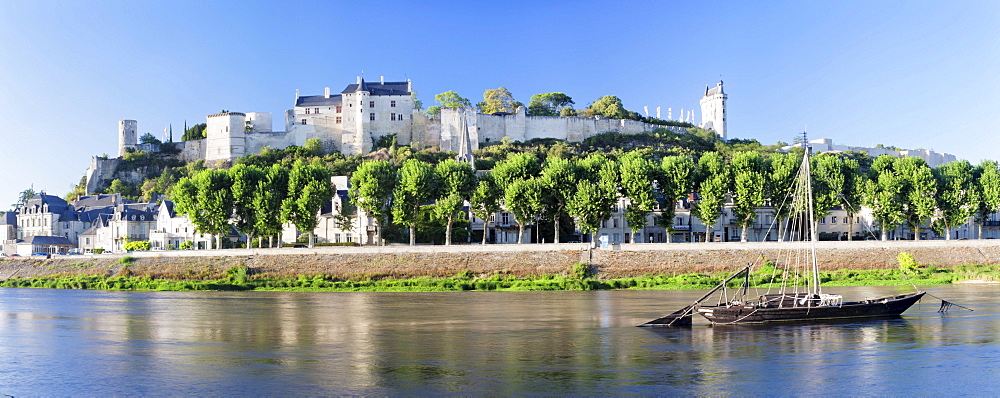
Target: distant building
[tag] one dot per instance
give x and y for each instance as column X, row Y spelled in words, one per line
column 713, row 110
column 932, row 158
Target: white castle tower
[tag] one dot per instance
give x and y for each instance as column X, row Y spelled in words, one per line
column 127, row 136
column 713, row 110
column 226, row 136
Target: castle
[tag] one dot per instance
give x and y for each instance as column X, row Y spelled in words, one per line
column 353, row 120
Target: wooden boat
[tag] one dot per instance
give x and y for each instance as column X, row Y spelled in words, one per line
column 789, row 303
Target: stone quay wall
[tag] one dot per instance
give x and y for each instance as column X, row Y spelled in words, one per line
column 397, row 262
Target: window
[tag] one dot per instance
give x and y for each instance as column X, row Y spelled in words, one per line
column 604, row 224
column 316, row 110
column 303, row 121
column 307, row 110
column 371, row 116
column 392, row 116
column 505, row 218
column 680, row 221
column 845, row 220
column 340, row 108
column 371, row 104
column 339, row 119
column 392, row 104
column 400, row 117
column 833, row 220
column 822, row 220
column 614, row 223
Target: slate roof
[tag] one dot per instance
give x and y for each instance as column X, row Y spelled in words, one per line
column 387, row 88
column 9, row 218
column 714, row 90
column 98, row 200
column 50, row 241
column 319, row 100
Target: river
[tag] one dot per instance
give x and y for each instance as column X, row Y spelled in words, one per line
column 72, row 342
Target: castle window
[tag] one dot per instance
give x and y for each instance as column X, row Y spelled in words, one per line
column 371, row 116
column 339, row 119
column 303, row 121
column 316, row 110
column 400, row 117
column 371, row 104
column 392, row 104
column 307, row 110
column 340, row 108
column 392, row 116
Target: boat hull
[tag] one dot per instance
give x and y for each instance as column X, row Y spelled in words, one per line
column 881, row 307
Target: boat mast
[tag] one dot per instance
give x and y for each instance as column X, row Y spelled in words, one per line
column 807, row 175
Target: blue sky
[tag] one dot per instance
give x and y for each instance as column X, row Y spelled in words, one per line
column 913, row 74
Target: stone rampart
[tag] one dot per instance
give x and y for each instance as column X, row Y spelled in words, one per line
column 516, row 260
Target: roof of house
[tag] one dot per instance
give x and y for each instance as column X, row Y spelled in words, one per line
column 98, row 200
column 49, row 241
column 319, row 100
column 714, row 90
column 9, row 218
column 381, row 88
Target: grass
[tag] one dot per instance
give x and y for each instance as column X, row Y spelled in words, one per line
column 580, row 278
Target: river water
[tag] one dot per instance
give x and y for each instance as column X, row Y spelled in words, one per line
column 69, row 342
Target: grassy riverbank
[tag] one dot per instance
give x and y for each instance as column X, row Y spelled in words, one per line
column 578, row 277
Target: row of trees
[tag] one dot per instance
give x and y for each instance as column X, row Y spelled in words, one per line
column 543, row 104
column 254, row 200
column 586, row 190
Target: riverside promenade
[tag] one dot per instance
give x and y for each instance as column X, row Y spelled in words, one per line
column 402, row 261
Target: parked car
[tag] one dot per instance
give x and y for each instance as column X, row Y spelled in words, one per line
column 39, row 254
column 15, row 255
column 3, row 254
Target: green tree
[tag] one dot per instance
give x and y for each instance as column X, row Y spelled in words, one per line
column 457, row 182
column 267, row 202
column 149, row 138
column 957, row 198
column 884, row 194
column 609, row 106
column 371, row 189
column 485, row 200
column 712, row 186
column 517, row 166
column 637, row 176
column 196, row 132
column 246, row 179
column 548, row 104
column 308, row 189
column 313, row 147
column 24, row 196
column 558, row 179
column 596, row 194
column 674, row 182
column 784, row 168
column 207, row 201
column 524, row 199
column 416, row 186
column 749, row 188
column 121, row 187
column 828, row 180
column 987, row 185
column 919, row 190
column 498, row 100
column 448, row 99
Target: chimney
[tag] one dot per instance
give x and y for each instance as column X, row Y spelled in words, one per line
column 296, row 95
column 381, row 79
column 326, row 92
column 409, row 85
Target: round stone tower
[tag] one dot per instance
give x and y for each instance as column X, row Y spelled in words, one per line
column 127, row 137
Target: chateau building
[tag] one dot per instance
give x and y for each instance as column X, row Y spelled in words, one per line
column 713, row 110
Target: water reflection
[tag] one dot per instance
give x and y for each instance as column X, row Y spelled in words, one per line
column 499, row 343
